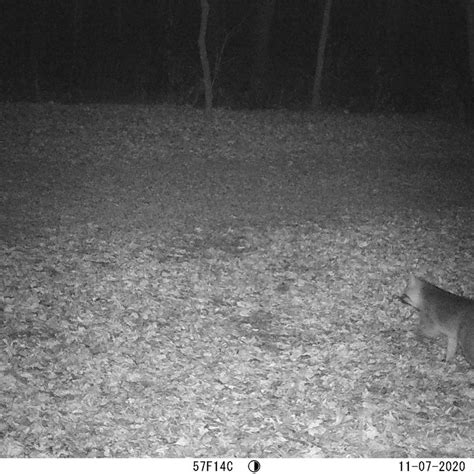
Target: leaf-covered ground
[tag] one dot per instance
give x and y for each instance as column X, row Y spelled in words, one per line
column 173, row 285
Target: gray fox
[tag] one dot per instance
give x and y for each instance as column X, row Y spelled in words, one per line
column 445, row 313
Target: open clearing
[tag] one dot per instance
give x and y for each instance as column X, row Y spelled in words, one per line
column 173, row 285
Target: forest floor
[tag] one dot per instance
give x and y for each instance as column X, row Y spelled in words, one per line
column 176, row 285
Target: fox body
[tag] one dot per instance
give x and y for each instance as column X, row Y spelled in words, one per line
column 442, row 312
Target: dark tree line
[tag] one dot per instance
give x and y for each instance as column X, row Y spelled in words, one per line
column 360, row 54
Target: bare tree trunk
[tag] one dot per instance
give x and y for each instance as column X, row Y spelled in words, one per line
column 75, row 70
column 203, row 55
column 36, row 52
column 392, row 65
column 318, row 75
column 119, row 17
column 263, row 24
column 470, row 33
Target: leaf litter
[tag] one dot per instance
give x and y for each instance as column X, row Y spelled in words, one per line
column 178, row 287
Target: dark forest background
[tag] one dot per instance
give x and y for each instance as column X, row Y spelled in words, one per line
column 398, row 55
